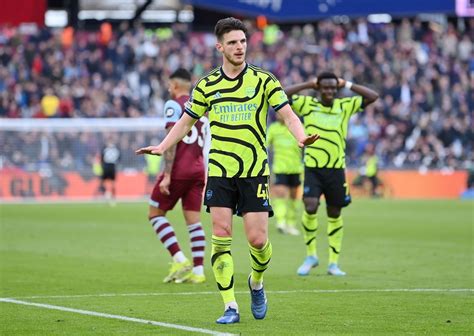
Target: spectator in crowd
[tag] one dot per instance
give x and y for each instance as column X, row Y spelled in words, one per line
column 425, row 71
column 49, row 103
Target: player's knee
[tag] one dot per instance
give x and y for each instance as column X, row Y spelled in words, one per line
column 279, row 191
column 221, row 232
column 221, row 229
column 258, row 241
column 311, row 205
column 333, row 212
column 155, row 212
column 192, row 217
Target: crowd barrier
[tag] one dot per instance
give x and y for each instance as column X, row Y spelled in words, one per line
column 16, row 185
column 412, row 184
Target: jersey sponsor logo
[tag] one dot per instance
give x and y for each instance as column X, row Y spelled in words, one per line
column 169, row 112
column 234, row 112
column 329, row 120
column 232, row 108
column 250, row 91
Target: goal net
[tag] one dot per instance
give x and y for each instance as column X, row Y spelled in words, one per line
column 59, row 159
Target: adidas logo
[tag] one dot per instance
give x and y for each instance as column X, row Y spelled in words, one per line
column 218, row 95
column 265, row 204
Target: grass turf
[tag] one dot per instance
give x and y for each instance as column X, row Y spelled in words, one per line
column 53, row 253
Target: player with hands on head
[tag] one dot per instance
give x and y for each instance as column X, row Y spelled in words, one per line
column 237, row 96
column 324, row 172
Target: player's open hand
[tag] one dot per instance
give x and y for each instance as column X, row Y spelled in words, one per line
column 308, row 140
column 165, row 184
column 152, row 150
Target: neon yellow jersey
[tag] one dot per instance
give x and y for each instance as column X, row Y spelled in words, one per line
column 153, row 163
column 238, row 109
column 331, row 124
column 371, row 166
column 287, row 155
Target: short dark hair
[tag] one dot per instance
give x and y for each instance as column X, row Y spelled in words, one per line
column 181, row 74
column 226, row 25
column 327, row 75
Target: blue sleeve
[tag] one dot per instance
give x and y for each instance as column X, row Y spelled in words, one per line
column 173, row 111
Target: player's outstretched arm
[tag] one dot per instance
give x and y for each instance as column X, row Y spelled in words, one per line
column 295, row 127
column 178, row 132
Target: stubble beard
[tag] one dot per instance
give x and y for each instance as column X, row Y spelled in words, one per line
column 234, row 63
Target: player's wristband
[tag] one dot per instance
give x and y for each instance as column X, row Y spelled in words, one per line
column 348, row 85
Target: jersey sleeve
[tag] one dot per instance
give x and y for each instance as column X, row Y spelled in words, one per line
column 276, row 96
column 197, row 104
column 173, row 112
column 356, row 104
column 297, row 104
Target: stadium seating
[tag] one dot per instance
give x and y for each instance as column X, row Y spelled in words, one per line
column 422, row 70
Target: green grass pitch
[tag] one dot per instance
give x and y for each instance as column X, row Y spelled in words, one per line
column 409, row 265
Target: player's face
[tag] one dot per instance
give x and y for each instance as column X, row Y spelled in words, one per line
column 233, row 46
column 328, row 89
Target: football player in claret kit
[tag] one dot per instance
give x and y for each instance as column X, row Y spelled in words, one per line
column 183, row 177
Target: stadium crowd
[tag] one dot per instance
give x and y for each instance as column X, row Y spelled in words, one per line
column 424, row 72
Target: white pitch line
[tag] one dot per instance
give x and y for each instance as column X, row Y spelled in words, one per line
column 316, row 291
column 116, row 317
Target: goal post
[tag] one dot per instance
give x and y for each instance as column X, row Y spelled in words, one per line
column 57, row 159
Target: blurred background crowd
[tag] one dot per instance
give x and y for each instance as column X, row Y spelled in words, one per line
column 424, row 72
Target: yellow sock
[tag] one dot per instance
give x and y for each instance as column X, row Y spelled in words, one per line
column 310, row 227
column 259, row 260
column 223, row 267
column 335, row 233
